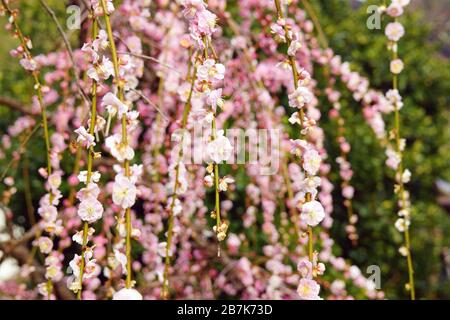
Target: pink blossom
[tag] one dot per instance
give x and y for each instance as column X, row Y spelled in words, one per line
column 192, row 7
column 308, row 289
column 78, row 237
column 393, row 158
column 294, row 47
column 85, row 138
column 300, row 97
column 98, row 8
column 337, row 287
column 304, row 267
column 54, row 180
column 205, row 23
column 28, row 64
column 311, row 161
column 101, row 70
column 394, row 31
column 215, row 99
column 118, row 149
column 124, row 192
column 90, row 210
column 278, row 31
column 295, row 118
column 298, row 146
column 90, row 191
column 310, row 184
column 210, row 71
column 45, row 244
column 48, row 213
column 348, row 192
column 90, row 52
column 219, row 149
column 72, row 180
column 312, row 213
column 114, row 105
column 345, row 147
column 223, row 183
column 395, row 10
column 402, row 224
column 82, row 176
column 233, row 243
column 101, row 42
column 396, row 66
column 121, row 259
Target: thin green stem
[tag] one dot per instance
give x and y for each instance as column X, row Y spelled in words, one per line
column 128, row 247
column 126, row 165
column 209, row 45
column 76, row 170
column 89, row 163
column 216, row 180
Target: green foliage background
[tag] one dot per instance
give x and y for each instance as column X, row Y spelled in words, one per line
column 425, row 85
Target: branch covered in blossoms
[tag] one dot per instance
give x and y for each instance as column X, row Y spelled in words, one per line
column 312, row 211
column 394, row 31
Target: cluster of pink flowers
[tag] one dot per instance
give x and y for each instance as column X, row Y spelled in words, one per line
column 127, row 69
column 52, row 224
column 209, row 78
column 170, row 76
column 308, row 288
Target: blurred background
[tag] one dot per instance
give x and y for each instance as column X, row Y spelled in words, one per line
column 425, row 85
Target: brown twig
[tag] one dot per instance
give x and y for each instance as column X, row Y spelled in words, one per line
column 15, row 105
column 143, row 56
